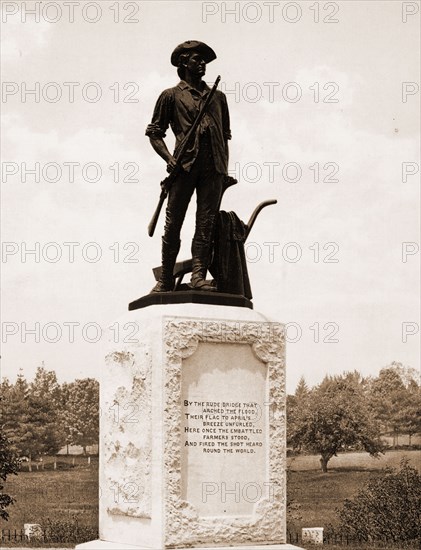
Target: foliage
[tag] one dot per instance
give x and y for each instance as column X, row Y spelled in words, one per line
column 68, row 531
column 349, row 412
column 80, row 412
column 332, row 417
column 9, row 464
column 319, row 495
column 411, row 410
column 301, row 390
column 387, row 506
column 395, row 399
column 42, row 416
column 30, row 416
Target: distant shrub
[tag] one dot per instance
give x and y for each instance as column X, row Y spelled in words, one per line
column 386, row 507
column 68, row 531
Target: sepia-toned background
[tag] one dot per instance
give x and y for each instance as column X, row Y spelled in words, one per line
column 324, row 102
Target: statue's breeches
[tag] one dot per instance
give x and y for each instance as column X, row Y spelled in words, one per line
column 208, row 184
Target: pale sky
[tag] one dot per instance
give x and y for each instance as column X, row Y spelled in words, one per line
column 302, row 93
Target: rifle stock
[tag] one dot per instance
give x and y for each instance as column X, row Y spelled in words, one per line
column 165, row 185
column 167, row 182
column 154, row 219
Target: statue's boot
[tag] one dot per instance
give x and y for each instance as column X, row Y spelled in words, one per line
column 169, row 255
column 200, row 253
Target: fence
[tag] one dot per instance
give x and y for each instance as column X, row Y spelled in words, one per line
column 59, row 533
column 13, row 535
column 59, row 462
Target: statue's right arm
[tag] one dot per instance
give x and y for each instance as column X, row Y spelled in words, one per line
column 162, row 116
column 161, row 148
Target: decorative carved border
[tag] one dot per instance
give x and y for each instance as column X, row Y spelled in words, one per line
column 181, row 337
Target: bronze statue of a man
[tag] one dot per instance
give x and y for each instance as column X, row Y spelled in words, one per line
column 204, row 165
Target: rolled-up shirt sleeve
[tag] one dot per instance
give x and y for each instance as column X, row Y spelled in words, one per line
column 162, row 116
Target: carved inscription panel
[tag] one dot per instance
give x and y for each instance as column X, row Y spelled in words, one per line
column 225, row 451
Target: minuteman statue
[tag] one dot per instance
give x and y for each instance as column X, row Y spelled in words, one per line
column 204, row 165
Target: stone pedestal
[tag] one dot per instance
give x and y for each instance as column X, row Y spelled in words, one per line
column 192, row 450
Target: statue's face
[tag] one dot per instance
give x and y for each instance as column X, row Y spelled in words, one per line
column 196, row 65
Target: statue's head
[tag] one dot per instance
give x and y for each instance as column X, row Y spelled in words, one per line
column 192, row 56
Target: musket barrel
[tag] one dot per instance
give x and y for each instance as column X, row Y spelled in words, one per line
column 180, row 155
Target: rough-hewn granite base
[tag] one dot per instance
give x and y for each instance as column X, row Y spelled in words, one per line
column 192, row 445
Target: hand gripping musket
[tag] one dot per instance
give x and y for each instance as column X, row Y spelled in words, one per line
column 168, row 181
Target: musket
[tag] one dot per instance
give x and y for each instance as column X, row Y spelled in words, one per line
column 168, row 181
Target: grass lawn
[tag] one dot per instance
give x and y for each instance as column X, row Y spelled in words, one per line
column 355, row 461
column 55, row 494
column 318, row 494
column 66, row 491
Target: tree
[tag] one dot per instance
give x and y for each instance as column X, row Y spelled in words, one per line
column 301, row 391
column 45, row 383
column 44, row 401
column 407, row 374
column 411, row 410
column 15, row 412
column 42, row 416
column 9, row 464
column 64, row 416
column 386, row 506
column 395, row 400
column 334, row 417
column 293, row 404
column 81, row 412
column 30, row 416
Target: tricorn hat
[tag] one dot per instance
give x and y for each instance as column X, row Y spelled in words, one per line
column 189, row 46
